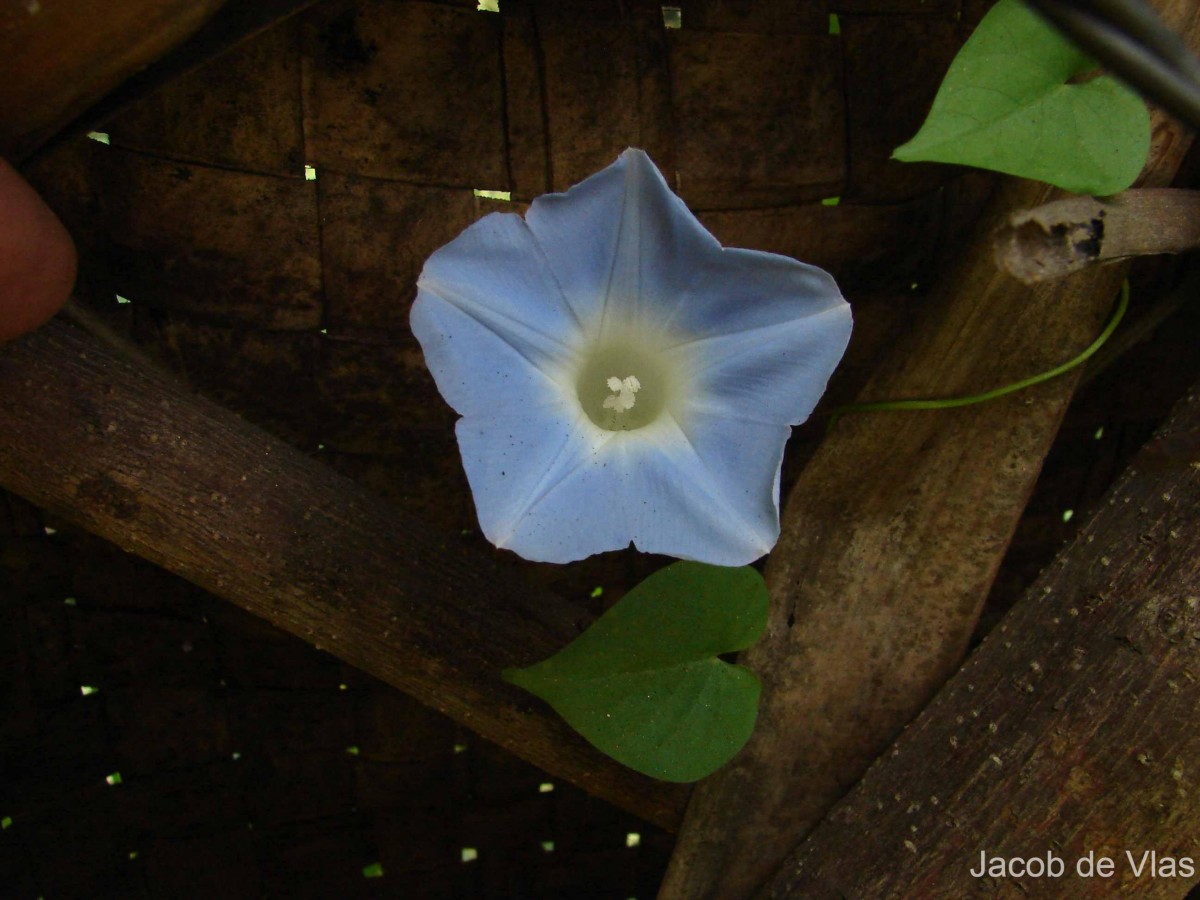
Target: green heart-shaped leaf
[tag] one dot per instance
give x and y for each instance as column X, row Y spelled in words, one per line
column 644, row 683
column 1006, row 105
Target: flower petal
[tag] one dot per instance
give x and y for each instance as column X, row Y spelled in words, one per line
column 623, row 240
column 737, row 290
column 554, row 491
column 478, row 371
column 773, row 372
column 494, row 271
column 729, row 471
column 514, row 462
column 491, row 322
column 619, row 240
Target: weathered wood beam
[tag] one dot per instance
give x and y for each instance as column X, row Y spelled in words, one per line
column 891, row 538
column 57, row 59
column 127, row 454
column 235, row 22
column 1070, row 731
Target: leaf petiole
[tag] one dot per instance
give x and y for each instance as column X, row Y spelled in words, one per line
column 952, row 402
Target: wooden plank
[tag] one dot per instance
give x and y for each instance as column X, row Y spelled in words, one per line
column 656, row 115
column 375, row 238
column 364, row 402
column 891, row 538
column 590, row 70
column 855, row 244
column 240, row 111
column 217, row 244
column 785, row 89
column 1071, row 731
column 125, row 453
column 898, row 7
column 524, row 104
column 888, row 96
column 57, row 59
column 755, row 16
column 271, row 378
column 380, row 420
column 234, row 24
column 407, row 91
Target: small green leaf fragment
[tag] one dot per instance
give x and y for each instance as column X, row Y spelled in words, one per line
column 644, row 684
column 374, row 870
column 6, row 822
column 831, row 201
column 1008, row 104
column 835, row 26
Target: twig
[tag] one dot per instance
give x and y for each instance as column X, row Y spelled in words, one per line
column 1065, row 236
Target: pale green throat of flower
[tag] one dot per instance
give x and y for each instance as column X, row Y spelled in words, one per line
column 622, row 387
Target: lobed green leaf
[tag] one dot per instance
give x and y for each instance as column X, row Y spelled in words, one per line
column 1008, row 104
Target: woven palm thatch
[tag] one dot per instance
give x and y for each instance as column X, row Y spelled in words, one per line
column 288, row 297
column 257, row 226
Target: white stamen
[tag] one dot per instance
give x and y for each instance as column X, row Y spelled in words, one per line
column 623, row 391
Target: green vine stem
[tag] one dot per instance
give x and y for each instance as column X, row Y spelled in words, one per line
column 952, row 402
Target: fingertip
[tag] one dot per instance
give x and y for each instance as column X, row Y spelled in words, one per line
column 37, row 257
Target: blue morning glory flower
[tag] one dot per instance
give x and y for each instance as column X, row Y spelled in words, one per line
column 621, row 376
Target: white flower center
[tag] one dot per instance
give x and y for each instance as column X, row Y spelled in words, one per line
column 623, row 390
column 624, row 383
